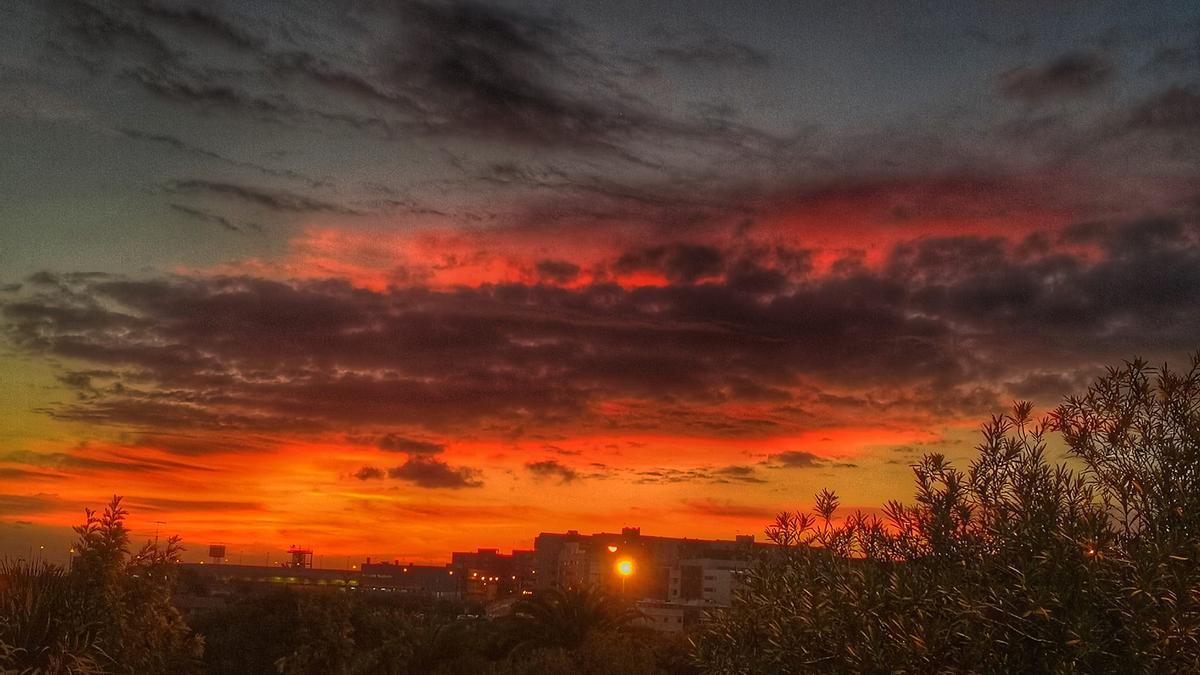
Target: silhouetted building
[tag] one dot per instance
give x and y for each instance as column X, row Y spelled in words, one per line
column 301, row 557
column 489, row 574
column 432, row 581
column 225, row 579
column 673, row 580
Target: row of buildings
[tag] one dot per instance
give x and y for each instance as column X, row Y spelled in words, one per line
column 672, row 580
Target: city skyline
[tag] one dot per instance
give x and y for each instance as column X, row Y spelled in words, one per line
column 421, row 277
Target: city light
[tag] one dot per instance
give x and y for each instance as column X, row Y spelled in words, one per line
column 612, row 548
column 625, row 570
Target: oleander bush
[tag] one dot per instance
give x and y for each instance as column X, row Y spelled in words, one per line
column 1015, row 565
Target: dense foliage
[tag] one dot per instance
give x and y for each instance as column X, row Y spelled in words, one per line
column 111, row 612
column 1016, row 565
column 549, row 634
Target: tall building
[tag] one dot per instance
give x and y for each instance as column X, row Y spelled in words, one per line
column 489, row 574
column 672, row 580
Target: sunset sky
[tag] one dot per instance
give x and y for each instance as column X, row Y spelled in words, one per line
column 399, row 278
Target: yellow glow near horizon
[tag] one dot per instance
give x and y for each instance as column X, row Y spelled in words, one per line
column 625, row 567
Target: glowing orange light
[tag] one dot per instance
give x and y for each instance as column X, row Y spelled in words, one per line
column 612, row 548
column 625, row 567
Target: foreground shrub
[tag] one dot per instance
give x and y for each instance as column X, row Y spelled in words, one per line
column 1016, row 565
column 576, row 632
column 43, row 623
column 111, row 612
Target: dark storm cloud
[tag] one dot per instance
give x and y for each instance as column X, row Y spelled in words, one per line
column 458, row 69
column 213, row 91
column 1071, row 75
column 1177, row 108
column 738, row 473
column 578, row 197
column 394, row 443
column 134, row 42
column 1047, row 386
column 796, row 459
column 734, row 473
column 369, row 473
column 678, row 262
column 92, row 31
column 82, row 380
column 725, row 509
column 276, row 200
column 921, row 331
column 183, row 146
column 206, row 216
column 198, row 20
column 428, row 472
column 558, row 271
column 552, row 468
column 482, row 70
column 209, row 90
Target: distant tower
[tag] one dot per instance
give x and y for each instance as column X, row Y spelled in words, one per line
column 217, row 553
column 301, row 558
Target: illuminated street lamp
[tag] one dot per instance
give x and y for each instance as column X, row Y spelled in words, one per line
column 624, row 569
column 612, row 548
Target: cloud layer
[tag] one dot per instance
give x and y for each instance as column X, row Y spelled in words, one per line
column 449, row 271
column 727, row 347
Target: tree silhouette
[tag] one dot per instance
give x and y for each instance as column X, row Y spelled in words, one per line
column 566, row 618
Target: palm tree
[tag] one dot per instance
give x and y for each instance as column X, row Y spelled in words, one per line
column 43, row 625
column 566, row 618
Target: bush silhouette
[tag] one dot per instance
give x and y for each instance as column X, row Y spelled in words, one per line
column 1015, row 565
column 111, row 612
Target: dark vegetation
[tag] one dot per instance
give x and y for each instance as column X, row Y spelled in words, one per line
column 110, row 612
column 553, row 632
column 1014, row 564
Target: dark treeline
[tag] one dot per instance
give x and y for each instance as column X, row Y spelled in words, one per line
column 556, row 632
column 1015, row 563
